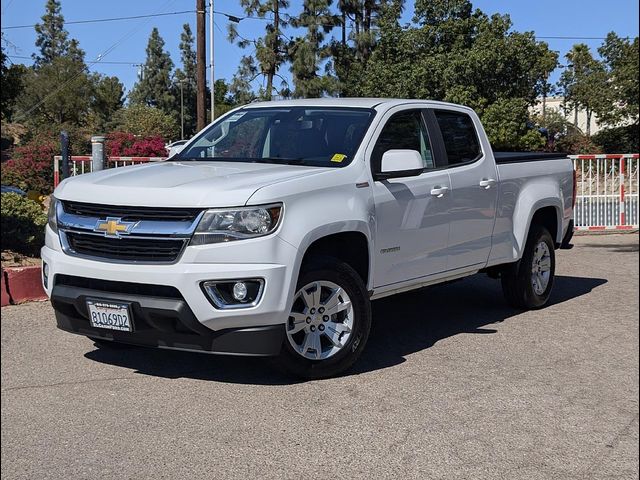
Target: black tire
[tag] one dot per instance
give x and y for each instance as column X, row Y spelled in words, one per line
column 343, row 275
column 516, row 278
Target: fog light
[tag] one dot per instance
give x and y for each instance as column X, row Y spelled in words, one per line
column 240, row 291
column 243, row 293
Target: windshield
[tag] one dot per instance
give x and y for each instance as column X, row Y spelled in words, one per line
column 316, row 136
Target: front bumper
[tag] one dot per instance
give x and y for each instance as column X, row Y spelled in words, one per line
column 237, row 260
column 164, row 322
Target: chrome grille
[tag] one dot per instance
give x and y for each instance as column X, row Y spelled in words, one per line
column 131, row 214
column 157, row 234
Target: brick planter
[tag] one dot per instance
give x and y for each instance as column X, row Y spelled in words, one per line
column 22, row 284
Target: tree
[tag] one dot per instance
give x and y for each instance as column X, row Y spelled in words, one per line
column 51, row 37
column 154, row 88
column 57, row 89
column 506, row 122
column 457, row 55
column 56, row 93
column 240, row 87
column 108, row 98
column 351, row 53
column 620, row 57
column 185, row 81
column 584, row 82
column 270, row 51
column 308, row 53
column 146, row 121
column 12, row 79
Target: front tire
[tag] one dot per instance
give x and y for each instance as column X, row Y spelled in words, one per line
column 527, row 284
column 328, row 326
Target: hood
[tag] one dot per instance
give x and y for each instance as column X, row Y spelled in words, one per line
column 179, row 184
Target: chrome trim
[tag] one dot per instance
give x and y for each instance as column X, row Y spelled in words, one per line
column 218, row 302
column 82, row 224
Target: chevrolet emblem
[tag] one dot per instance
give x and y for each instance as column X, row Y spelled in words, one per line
column 114, row 227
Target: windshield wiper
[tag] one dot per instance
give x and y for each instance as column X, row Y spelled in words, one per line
column 288, row 161
column 281, row 160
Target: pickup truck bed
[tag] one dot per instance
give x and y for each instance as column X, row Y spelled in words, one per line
column 520, row 157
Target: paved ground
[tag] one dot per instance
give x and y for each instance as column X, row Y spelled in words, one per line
column 454, row 385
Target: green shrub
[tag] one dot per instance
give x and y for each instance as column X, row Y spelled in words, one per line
column 577, row 143
column 619, row 140
column 22, row 222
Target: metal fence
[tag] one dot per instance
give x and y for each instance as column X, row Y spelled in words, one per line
column 79, row 164
column 607, row 192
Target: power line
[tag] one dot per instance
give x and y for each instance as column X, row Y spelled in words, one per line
column 100, row 20
column 91, row 64
column 102, row 62
column 231, row 17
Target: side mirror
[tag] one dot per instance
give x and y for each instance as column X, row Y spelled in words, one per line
column 400, row 163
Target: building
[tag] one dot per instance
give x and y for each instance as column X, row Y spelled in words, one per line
column 578, row 118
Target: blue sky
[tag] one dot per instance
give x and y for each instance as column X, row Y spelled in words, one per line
column 126, row 40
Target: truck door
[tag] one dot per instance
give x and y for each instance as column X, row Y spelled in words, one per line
column 474, row 186
column 412, row 225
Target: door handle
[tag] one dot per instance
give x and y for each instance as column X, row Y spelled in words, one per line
column 439, row 192
column 487, row 183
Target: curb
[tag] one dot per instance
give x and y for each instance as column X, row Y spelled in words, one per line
column 4, row 293
column 22, row 284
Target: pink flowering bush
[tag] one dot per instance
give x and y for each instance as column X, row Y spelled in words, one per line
column 124, row 144
column 31, row 166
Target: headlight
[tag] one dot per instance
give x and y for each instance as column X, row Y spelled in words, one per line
column 52, row 216
column 225, row 225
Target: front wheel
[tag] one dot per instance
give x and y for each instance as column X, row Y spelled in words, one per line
column 527, row 284
column 329, row 322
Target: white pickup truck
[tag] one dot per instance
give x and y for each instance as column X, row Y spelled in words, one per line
column 274, row 228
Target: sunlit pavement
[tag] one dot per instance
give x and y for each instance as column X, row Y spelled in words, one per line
column 454, row 385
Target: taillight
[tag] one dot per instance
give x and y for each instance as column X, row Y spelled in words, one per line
column 575, row 188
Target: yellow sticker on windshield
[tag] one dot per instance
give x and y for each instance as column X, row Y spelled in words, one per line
column 338, row 157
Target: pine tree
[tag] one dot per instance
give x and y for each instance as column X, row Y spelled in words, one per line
column 51, row 37
column 185, row 82
column 57, row 89
column 270, row 50
column 308, row 53
column 154, row 89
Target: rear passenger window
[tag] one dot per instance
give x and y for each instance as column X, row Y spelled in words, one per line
column 403, row 131
column 459, row 136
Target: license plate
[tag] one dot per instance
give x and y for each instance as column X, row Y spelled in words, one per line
column 109, row 315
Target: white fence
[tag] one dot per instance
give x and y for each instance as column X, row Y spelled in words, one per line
column 79, row 164
column 607, row 192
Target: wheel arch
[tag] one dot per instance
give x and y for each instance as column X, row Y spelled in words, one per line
column 546, row 210
column 346, row 241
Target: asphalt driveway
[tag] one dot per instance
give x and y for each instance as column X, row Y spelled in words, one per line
column 454, row 385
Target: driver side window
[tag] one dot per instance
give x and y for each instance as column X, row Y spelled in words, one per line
column 404, row 131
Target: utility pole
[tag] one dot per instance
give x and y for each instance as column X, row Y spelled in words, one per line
column 212, row 72
column 201, row 74
column 181, row 110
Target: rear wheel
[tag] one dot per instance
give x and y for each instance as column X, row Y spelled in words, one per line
column 329, row 322
column 527, row 284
